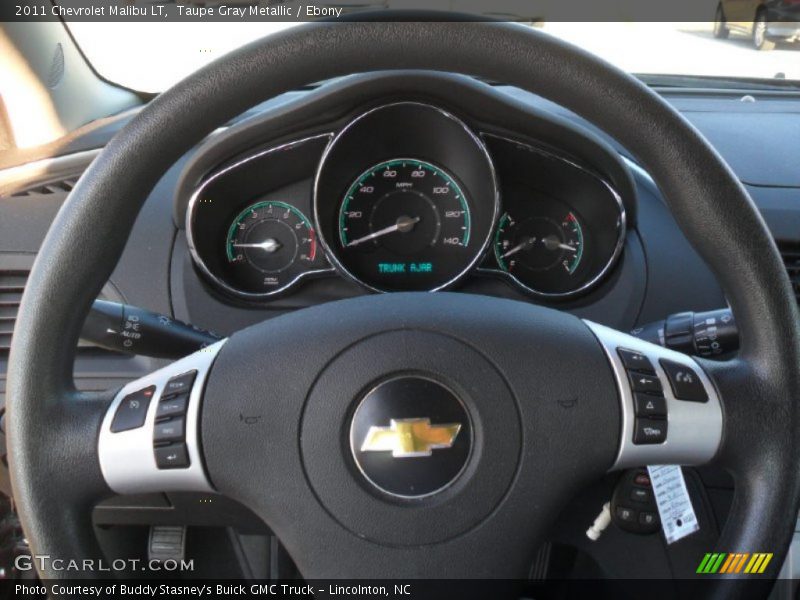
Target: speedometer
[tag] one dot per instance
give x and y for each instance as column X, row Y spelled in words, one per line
column 405, row 199
column 404, row 224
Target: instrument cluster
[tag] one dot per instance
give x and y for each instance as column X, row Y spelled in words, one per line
column 406, row 197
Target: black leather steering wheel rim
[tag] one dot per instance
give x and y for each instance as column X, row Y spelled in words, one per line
column 52, row 429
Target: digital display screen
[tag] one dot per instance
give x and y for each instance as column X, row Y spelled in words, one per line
column 403, row 268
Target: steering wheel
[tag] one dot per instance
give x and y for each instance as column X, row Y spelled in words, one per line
column 410, row 430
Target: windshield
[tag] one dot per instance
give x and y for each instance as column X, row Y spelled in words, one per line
column 173, row 49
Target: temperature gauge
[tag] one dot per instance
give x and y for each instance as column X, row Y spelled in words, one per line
column 543, row 252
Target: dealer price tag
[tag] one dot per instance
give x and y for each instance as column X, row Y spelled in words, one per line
column 674, row 505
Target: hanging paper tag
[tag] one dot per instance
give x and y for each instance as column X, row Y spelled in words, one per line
column 674, row 505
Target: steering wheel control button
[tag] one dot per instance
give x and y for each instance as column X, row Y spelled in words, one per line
column 164, row 454
column 633, row 506
column 173, row 406
column 649, row 405
column 173, row 456
column 642, row 382
column 169, row 431
column 684, row 381
column 180, row 384
column 410, row 437
column 649, row 431
column 653, row 406
column 636, row 361
column 132, row 410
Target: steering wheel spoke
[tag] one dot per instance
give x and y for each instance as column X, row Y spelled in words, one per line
column 671, row 411
column 149, row 439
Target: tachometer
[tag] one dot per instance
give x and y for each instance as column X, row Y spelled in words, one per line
column 405, row 224
column 270, row 244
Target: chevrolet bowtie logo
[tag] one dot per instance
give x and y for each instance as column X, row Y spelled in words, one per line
column 410, row 437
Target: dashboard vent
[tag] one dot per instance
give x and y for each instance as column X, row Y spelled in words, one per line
column 12, row 284
column 56, row 187
column 790, row 251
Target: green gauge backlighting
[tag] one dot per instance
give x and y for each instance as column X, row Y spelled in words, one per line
column 541, row 251
column 404, row 224
column 273, row 241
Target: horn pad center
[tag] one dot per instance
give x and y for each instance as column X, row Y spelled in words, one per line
column 410, row 437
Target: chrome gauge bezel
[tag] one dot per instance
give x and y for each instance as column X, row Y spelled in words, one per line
column 621, row 230
column 482, row 149
column 191, row 215
column 481, row 140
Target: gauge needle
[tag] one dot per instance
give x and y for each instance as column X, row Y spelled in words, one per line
column 551, row 243
column 268, row 245
column 403, row 224
column 520, row 246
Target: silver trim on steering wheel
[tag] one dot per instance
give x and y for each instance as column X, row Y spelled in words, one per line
column 127, row 458
column 694, row 429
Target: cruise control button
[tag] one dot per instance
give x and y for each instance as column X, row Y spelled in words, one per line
column 685, row 382
column 169, row 431
column 180, row 384
column 132, row 411
column 173, row 456
column 635, row 361
column 649, row 431
column 171, row 407
column 641, row 382
column 648, row 405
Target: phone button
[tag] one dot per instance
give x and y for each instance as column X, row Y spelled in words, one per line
column 684, row 381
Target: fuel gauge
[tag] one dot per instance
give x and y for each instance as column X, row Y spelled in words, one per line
column 543, row 251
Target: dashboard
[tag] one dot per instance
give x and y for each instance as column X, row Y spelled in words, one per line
column 406, row 195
